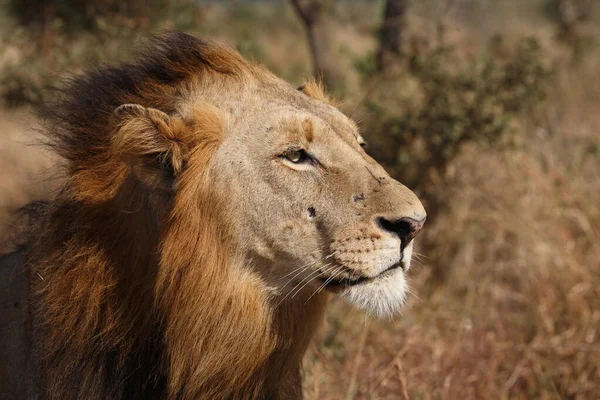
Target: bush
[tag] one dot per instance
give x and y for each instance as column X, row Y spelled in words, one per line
column 422, row 114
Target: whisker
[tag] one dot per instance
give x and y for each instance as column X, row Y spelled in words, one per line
column 333, row 275
column 299, row 270
column 308, row 265
column 416, row 257
column 309, row 277
column 417, row 262
column 421, row 255
column 313, row 278
column 412, row 292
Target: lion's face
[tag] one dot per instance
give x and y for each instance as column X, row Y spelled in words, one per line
column 312, row 210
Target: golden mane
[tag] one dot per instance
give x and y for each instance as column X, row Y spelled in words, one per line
column 131, row 285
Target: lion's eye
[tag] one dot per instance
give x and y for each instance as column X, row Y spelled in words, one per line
column 296, row 156
column 363, row 145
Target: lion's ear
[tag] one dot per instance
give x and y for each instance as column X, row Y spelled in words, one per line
column 151, row 142
column 314, row 88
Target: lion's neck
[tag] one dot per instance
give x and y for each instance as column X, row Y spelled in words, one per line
column 229, row 338
column 295, row 323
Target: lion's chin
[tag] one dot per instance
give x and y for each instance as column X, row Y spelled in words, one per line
column 382, row 297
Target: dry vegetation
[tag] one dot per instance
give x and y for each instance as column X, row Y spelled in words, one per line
column 507, row 290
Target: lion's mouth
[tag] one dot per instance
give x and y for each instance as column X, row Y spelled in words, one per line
column 346, row 282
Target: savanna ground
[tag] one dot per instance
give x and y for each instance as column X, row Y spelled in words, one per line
column 506, row 279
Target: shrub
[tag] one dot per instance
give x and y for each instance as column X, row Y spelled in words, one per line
column 422, row 114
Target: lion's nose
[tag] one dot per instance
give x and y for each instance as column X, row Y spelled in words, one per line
column 405, row 228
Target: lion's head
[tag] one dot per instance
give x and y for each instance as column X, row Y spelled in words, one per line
column 311, row 209
column 208, row 205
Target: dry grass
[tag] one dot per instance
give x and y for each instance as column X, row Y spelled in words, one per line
column 517, row 312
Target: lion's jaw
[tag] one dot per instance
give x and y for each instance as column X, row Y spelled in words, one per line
column 381, row 297
column 382, row 292
column 385, row 294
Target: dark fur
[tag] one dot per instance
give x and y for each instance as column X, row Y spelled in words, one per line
column 78, row 126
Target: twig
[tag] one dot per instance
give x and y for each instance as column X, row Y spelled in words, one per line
column 402, row 378
column 361, row 347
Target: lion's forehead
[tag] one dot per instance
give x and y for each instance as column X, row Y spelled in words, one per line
column 325, row 123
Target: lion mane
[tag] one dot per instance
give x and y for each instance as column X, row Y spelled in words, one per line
column 132, row 287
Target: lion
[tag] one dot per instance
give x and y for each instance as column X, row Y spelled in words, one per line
column 208, row 212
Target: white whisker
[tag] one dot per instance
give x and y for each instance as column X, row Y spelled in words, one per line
column 319, row 273
column 333, row 275
column 307, row 278
column 303, row 267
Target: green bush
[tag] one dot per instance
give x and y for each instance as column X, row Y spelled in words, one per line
column 421, row 115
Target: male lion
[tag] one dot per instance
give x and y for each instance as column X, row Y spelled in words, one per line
column 207, row 206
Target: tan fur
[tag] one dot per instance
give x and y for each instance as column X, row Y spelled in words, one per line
column 181, row 258
column 315, row 89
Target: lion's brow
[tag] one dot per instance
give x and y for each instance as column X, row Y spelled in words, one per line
column 308, row 129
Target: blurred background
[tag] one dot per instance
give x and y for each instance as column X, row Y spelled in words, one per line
column 489, row 110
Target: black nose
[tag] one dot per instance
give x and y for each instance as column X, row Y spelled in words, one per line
column 405, row 228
